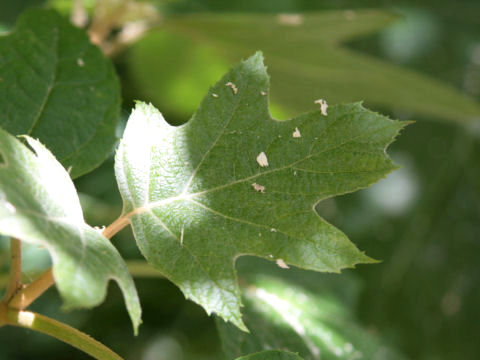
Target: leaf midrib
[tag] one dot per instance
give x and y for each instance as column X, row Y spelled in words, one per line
column 189, row 197
column 220, row 135
column 50, row 86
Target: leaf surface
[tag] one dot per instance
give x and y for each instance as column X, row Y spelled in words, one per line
column 306, row 52
column 58, row 87
column 284, row 314
column 271, row 355
column 39, row 205
column 202, row 194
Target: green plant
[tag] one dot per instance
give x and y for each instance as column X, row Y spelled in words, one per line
column 229, row 182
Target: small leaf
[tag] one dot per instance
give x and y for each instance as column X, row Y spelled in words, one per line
column 39, row 205
column 283, row 314
column 271, row 355
column 202, row 194
column 56, row 86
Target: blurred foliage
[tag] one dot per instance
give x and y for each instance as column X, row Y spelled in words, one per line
column 300, row 312
column 422, row 221
column 311, row 61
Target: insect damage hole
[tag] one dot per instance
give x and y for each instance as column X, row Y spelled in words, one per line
column 80, row 62
column 282, row 264
column 258, row 187
column 290, row 19
column 323, row 106
column 262, row 159
column 233, row 86
column 181, row 236
column 296, row 133
column 215, row 95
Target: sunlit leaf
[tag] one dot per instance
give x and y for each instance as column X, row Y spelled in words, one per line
column 283, row 314
column 233, row 181
column 39, row 205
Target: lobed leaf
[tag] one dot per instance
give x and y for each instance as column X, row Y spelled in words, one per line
column 58, row 87
column 39, row 205
column 202, row 194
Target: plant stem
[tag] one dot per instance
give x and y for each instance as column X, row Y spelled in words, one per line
column 116, row 226
column 23, row 298
column 61, row 331
column 27, row 295
column 141, row 269
column 15, row 277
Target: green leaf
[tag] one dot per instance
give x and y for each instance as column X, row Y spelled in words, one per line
column 56, row 86
column 197, row 196
column 284, row 314
column 305, row 52
column 39, row 205
column 271, row 355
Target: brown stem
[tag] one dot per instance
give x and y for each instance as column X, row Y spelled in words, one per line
column 32, row 291
column 15, row 277
column 116, row 226
column 23, row 298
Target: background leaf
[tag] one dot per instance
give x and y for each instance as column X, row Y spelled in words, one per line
column 56, row 86
column 39, row 205
column 293, row 314
column 305, row 55
column 198, row 196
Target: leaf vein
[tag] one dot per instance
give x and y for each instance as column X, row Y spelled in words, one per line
column 50, row 86
column 221, row 133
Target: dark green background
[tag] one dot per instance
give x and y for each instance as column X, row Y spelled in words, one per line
column 422, row 298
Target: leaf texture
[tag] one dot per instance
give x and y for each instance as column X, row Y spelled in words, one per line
column 202, row 194
column 58, row 87
column 39, row 205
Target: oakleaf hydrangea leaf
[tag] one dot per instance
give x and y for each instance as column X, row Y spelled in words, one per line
column 39, row 205
column 58, row 87
column 271, row 355
column 233, row 181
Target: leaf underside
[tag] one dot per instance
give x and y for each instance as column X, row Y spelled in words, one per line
column 39, row 205
column 197, row 196
column 58, row 87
